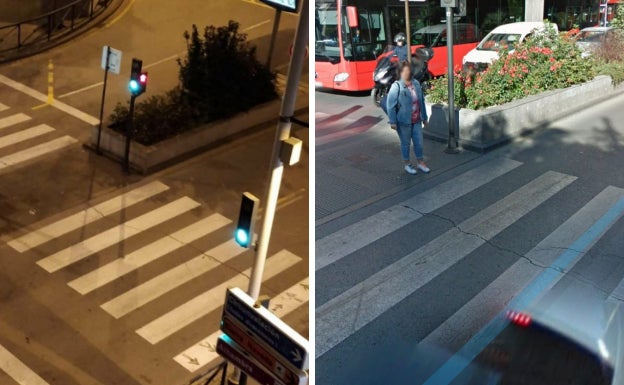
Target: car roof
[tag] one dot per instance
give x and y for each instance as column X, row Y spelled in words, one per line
column 437, row 28
column 519, row 27
column 596, row 29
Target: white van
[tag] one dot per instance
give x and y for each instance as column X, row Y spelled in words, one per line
column 502, row 37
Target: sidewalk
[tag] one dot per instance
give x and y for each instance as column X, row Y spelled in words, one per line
column 357, row 170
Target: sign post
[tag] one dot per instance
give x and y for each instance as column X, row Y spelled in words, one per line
column 111, row 61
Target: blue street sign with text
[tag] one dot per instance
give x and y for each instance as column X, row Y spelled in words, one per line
column 269, row 328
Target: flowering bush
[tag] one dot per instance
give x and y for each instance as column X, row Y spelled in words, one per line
column 544, row 62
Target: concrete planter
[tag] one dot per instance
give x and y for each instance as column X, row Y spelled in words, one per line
column 484, row 129
column 145, row 159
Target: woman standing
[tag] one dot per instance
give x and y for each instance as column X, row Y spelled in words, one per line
column 407, row 113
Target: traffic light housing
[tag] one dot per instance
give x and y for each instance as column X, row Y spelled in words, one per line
column 138, row 79
column 243, row 235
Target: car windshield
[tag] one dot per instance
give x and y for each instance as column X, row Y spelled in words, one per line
column 428, row 39
column 590, row 36
column 499, row 41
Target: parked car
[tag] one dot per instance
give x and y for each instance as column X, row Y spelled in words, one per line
column 503, row 37
column 465, row 38
column 591, row 38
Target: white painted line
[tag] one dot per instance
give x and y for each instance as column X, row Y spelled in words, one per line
column 16, row 369
column 20, row 136
column 200, row 306
column 36, row 151
column 3, row 107
column 122, row 266
column 203, row 352
column 260, row 24
column 164, row 60
column 167, row 281
column 350, row 311
column 116, row 234
column 453, row 333
column 345, row 241
column 13, row 119
column 44, row 99
column 87, row 88
column 84, row 217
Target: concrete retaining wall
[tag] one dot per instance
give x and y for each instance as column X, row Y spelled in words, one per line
column 483, row 129
column 149, row 158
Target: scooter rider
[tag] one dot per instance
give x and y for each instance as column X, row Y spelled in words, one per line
column 400, row 48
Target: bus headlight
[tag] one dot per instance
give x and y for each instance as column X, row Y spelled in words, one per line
column 341, row 77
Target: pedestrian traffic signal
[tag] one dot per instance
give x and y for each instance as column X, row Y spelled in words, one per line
column 243, row 235
column 136, row 76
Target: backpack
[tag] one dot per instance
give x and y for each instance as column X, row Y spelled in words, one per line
column 384, row 100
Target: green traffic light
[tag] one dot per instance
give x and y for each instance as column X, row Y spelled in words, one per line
column 133, row 86
column 242, row 238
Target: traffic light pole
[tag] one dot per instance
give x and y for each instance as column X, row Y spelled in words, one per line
column 129, row 128
column 276, row 171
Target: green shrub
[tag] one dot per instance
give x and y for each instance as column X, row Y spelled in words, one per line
column 615, row 69
column 545, row 62
column 219, row 78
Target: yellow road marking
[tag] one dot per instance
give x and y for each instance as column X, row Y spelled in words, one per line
column 121, row 14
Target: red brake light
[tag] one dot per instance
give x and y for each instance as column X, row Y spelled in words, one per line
column 519, row 318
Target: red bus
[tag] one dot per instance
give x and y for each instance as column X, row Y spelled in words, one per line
column 350, row 35
column 608, row 10
column 348, row 40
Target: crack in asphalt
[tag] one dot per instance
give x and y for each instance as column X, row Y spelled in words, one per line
column 485, row 240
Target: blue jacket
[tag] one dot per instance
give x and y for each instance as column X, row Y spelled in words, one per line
column 399, row 103
column 401, row 52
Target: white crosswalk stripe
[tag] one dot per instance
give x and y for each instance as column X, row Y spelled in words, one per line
column 342, row 315
column 57, row 236
column 84, row 217
column 349, row 239
column 147, row 254
column 13, row 119
column 115, row 235
column 17, row 370
column 32, row 135
column 203, row 353
column 203, row 304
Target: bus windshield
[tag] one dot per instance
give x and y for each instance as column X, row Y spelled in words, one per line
column 363, row 42
column 326, row 46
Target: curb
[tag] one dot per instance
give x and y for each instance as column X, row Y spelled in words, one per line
column 230, row 138
column 64, row 38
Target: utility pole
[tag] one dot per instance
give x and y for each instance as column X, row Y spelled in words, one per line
column 282, row 134
column 452, row 144
column 408, row 33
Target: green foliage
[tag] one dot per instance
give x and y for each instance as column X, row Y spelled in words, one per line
column 618, row 20
column 615, row 69
column 219, row 78
column 221, row 75
column 545, row 62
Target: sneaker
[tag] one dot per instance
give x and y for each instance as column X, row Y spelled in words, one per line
column 410, row 169
column 422, row 167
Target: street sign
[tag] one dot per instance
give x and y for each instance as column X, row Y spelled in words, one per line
column 284, row 5
column 245, row 339
column 231, row 352
column 271, row 330
column 114, row 59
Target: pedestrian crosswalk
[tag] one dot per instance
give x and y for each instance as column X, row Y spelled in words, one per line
column 16, row 131
column 84, row 244
column 378, row 292
column 17, row 371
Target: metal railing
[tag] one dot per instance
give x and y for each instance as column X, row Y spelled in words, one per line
column 46, row 27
